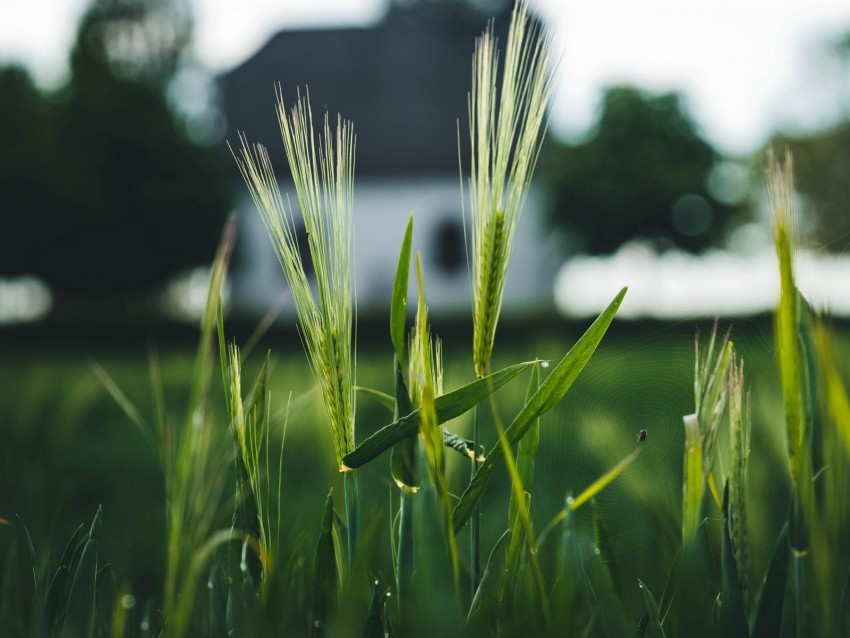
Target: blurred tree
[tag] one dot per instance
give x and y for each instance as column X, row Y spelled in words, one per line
column 640, row 175
column 822, row 177
column 26, row 154
column 822, row 161
column 130, row 198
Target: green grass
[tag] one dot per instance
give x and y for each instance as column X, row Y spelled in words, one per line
column 68, row 448
column 158, row 498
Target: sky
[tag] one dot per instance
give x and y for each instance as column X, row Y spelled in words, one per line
column 746, row 67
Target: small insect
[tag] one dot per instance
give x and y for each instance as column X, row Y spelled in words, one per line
column 641, row 437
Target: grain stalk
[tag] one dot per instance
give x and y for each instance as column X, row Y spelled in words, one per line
column 192, row 472
column 190, row 461
column 793, row 373
column 779, row 181
column 739, row 433
column 506, row 125
column 507, row 120
column 322, row 169
column 258, row 503
column 711, row 392
column 403, row 461
column 426, row 384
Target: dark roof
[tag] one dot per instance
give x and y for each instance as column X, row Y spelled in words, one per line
column 403, row 83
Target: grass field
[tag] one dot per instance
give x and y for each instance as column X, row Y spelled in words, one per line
column 68, row 448
column 613, row 479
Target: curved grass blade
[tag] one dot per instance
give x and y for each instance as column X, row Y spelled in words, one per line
column 448, row 406
column 80, row 612
column 483, row 610
column 57, row 591
column 653, row 626
column 526, row 450
column 383, row 398
column 325, row 578
column 398, row 308
column 550, row 393
column 603, row 481
column 127, row 406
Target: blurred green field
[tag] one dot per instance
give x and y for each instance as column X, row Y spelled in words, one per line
column 67, row 447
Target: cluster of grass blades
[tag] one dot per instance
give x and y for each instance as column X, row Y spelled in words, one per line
column 711, row 589
column 233, row 566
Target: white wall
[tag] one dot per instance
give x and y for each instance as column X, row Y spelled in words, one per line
column 381, row 211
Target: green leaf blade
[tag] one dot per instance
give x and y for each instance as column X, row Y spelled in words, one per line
column 325, row 577
column 448, row 407
column 398, row 308
column 547, row 396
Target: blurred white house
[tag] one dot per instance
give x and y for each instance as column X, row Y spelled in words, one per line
column 404, row 84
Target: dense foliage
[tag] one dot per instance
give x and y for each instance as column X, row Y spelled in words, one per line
column 103, row 189
column 641, row 174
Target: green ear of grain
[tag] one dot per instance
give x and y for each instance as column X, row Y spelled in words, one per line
column 448, row 407
column 547, row 396
column 779, row 180
column 768, row 619
column 694, row 486
column 325, row 576
column 398, row 308
column 787, row 346
column 732, row 617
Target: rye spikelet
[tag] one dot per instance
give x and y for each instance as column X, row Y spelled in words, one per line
column 506, row 125
column 322, row 170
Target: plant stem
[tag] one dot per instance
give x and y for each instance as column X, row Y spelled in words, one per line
column 475, row 528
column 405, row 552
column 352, row 514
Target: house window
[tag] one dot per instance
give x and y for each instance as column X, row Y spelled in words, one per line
column 449, row 246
